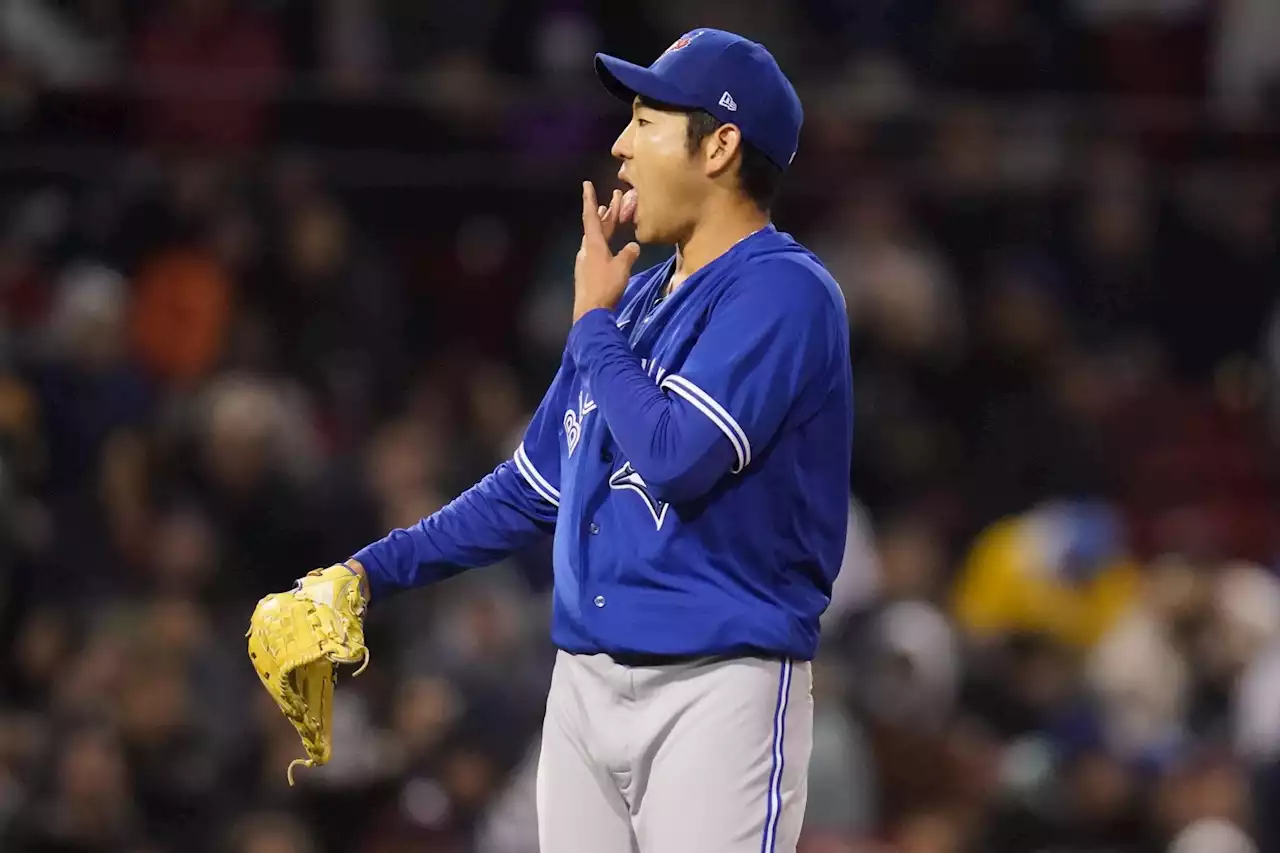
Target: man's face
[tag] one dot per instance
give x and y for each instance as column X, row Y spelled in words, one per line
column 669, row 182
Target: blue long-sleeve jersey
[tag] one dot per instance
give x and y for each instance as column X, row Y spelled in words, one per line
column 691, row 459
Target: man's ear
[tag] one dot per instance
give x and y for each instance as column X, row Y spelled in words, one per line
column 721, row 148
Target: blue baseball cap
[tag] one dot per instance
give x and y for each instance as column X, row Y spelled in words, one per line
column 735, row 79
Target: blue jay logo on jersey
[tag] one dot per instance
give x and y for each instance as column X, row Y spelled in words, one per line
column 627, row 478
column 573, row 419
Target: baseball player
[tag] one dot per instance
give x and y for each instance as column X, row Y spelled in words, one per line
column 691, row 459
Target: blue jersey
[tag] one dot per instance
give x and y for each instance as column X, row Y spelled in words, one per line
column 691, row 458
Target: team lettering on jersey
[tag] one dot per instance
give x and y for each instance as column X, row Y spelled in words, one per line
column 573, row 419
column 653, row 369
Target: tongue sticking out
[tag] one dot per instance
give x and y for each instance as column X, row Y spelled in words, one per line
column 628, row 206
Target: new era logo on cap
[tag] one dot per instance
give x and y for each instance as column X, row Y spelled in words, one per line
column 727, row 101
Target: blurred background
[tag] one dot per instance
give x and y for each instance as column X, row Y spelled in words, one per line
column 278, row 276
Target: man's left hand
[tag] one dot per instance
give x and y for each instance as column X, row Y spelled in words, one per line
column 600, row 276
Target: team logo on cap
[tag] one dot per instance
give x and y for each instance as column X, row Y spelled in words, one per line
column 681, row 42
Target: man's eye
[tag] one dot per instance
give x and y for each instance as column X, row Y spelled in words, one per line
column 642, row 122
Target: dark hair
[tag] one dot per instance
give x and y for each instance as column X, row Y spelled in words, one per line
column 760, row 177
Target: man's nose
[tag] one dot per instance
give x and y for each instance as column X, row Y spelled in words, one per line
column 622, row 145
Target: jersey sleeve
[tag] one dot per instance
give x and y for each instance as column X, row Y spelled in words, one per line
column 513, row 507
column 769, row 337
column 538, row 456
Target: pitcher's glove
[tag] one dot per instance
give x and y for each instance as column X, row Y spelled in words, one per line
column 297, row 638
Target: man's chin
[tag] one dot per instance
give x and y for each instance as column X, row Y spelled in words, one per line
column 647, row 236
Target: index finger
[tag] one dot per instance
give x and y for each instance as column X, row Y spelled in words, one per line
column 590, row 218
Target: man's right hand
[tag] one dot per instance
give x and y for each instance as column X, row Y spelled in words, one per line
column 600, row 276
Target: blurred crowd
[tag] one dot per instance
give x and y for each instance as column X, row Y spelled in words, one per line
column 277, row 277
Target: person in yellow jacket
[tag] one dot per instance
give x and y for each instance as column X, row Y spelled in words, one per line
column 1060, row 569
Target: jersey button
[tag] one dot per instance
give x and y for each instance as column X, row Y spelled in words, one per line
column 599, row 601
column 606, row 457
column 594, row 528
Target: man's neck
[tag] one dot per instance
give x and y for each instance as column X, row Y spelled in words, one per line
column 711, row 238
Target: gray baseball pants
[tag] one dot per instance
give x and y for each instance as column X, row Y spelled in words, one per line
column 708, row 756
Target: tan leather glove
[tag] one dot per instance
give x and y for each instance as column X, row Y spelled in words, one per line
column 297, row 639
